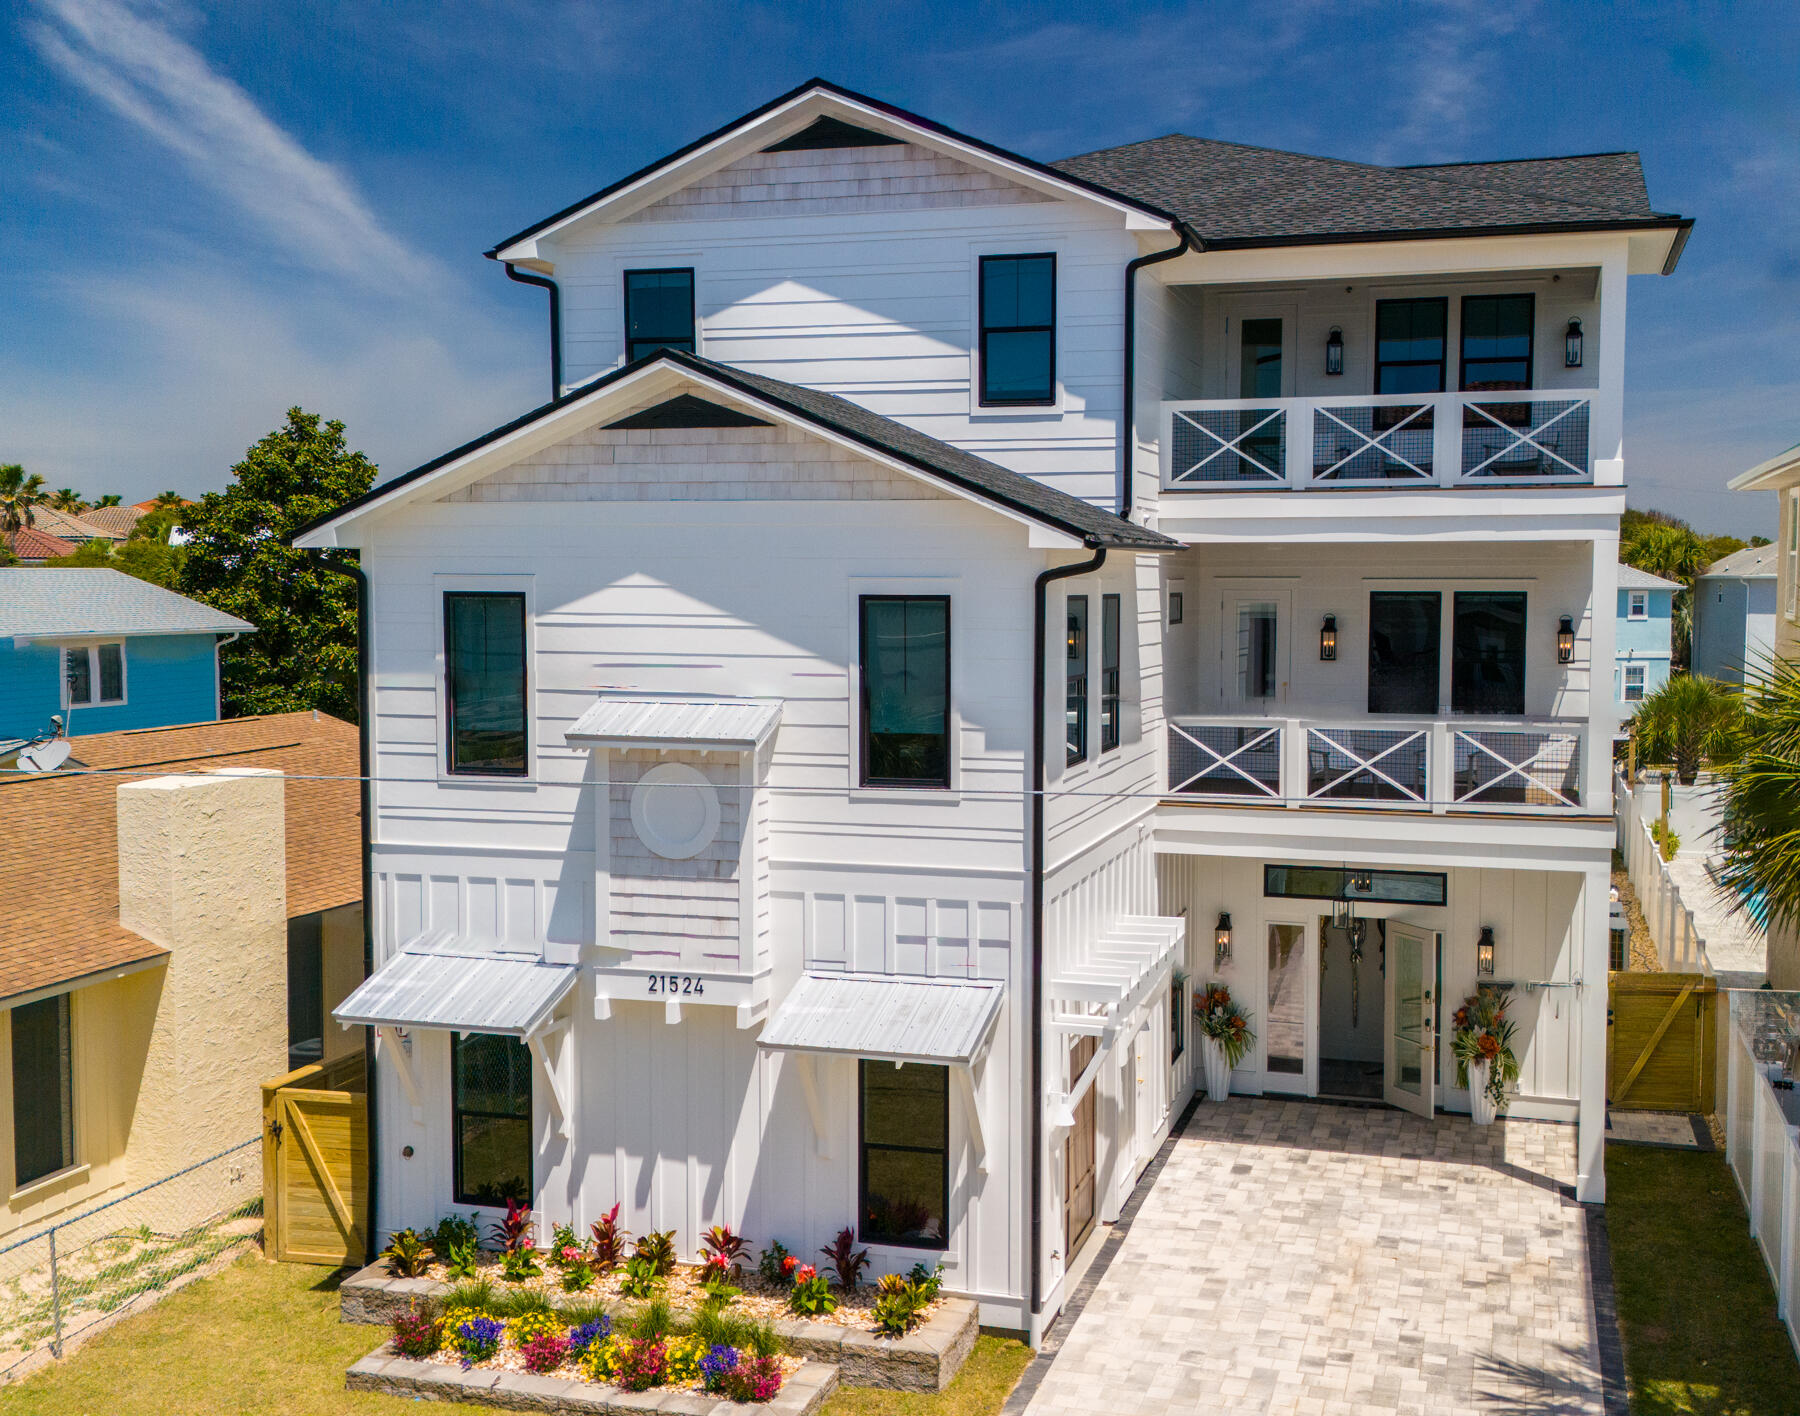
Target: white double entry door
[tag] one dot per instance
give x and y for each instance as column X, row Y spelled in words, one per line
column 1291, row 1021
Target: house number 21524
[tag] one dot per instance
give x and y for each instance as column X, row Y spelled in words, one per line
column 676, row 983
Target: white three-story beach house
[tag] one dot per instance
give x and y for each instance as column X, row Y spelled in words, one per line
column 951, row 608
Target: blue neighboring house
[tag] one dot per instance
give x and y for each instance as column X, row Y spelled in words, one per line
column 1734, row 613
column 1646, row 625
column 106, row 651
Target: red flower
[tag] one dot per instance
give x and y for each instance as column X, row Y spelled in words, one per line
column 1489, row 1046
column 805, row 1274
column 788, row 1263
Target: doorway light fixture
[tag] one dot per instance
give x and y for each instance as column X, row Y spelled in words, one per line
column 1565, row 640
column 1484, row 952
column 1361, row 881
column 1572, row 344
column 1334, row 351
column 1328, row 640
column 1222, row 940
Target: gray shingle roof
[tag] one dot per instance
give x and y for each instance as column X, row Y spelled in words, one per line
column 1751, row 562
column 52, row 601
column 1631, row 578
column 1233, row 194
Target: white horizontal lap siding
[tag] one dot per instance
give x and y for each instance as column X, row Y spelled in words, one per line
column 878, row 306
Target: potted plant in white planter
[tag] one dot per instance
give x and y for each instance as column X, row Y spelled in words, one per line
column 1225, row 1038
column 1486, row 1064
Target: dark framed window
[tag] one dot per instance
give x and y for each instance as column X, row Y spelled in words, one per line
column 95, row 673
column 1404, row 647
column 1487, row 652
column 43, row 1089
column 1177, row 1018
column 1075, row 682
column 305, row 991
column 1018, row 330
column 1409, row 345
column 905, row 657
column 1259, row 358
column 490, row 1118
column 1326, row 882
column 659, row 311
column 905, row 1130
column 1497, row 341
column 1109, row 672
column 484, row 688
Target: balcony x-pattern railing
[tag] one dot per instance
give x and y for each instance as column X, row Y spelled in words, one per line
column 1521, row 442
column 1233, row 445
column 1348, row 763
column 1251, row 767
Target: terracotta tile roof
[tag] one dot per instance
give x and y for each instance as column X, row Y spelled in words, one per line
column 114, row 520
column 60, row 877
column 69, row 526
column 29, row 543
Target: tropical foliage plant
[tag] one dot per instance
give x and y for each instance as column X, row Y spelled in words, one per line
column 722, row 1242
column 1761, row 869
column 776, row 1264
column 1690, row 721
column 640, row 1278
column 658, row 1248
column 515, row 1231
column 1483, row 1033
column 406, row 1254
column 848, row 1260
column 811, row 1295
column 1222, row 1020
column 21, row 493
column 610, row 1238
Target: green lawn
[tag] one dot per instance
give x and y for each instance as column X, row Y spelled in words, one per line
column 263, row 1339
column 1695, row 1303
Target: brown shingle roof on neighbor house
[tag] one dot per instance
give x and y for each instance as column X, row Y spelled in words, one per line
column 59, row 869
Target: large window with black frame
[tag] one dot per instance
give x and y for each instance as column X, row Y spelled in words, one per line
column 905, row 1125
column 1018, row 331
column 1111, row 714
column 1075, row 682
column 43, row 1089
column 490, row 1118
column 905, row 680
column 484, row 690
column 659, row 311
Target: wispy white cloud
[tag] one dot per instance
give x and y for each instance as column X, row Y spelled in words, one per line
column 130, row 59
column 1452, row 75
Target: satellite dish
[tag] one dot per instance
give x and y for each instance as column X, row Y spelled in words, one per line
column 45, row 756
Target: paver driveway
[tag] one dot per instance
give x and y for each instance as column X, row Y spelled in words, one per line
column 1306, row 1258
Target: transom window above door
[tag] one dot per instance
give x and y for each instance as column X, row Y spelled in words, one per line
column 659, row 311
column 1018, row 331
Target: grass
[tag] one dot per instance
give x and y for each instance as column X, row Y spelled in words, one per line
column 986, row 1380
column 263, row 1339
column 1695, row 1303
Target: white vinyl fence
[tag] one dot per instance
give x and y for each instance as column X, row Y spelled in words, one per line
column 1762, row 1109
column 1678, row 942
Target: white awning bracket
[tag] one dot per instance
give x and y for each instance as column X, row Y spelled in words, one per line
column 963, row 1079
column 394, row 1046
column 555, row 1083
column 804, row 1068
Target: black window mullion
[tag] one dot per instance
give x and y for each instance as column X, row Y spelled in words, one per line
column 1033, row 280
column 486, row 698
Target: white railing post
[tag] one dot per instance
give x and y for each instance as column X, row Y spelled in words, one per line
column 1446, row 439
column 1299, row 443
column 1440, row 767
column 1293, row 762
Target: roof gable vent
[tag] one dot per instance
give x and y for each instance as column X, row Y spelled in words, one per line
column 832, row 133
column 687, row 411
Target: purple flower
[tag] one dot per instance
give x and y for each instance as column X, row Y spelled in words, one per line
column 716, row 1363
column 597, row 1331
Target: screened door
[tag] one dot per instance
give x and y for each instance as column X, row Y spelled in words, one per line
column 1410, row 1061
column 1255, row 650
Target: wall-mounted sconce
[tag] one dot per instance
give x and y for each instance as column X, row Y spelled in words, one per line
column 1328, row 639
column 1222, row 940
column 1361, row 881
column 1334, row 351
column 1565, row 640
column 1077, row 638
column 1572, row 345
column 1484, row 952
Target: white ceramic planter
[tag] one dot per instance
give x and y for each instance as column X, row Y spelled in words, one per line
column 1215, row 1070
column 1481, row 1106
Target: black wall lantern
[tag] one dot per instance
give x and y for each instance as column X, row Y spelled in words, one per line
column 1334, row 351
column 1328, row 639
column 1222, row 940
column 1572, row 345
column 1565, row 640
column 1484, row 952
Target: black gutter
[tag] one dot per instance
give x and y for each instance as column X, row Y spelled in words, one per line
column 513, row 273
column 1678, row 224
column 365, row 729
column 1128, row 454
column 1040, row 667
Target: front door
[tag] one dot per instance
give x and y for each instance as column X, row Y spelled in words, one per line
column 1410, row 1076
column 1253, row 649
column 1078, row 1156
column 1291, row 1017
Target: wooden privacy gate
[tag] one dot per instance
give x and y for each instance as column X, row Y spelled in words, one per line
column 1661, row 1041
column 316, row 1164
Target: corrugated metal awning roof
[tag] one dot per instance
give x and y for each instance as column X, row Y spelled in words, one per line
column 686, row 720
column 431, row 984
column 897, row 1019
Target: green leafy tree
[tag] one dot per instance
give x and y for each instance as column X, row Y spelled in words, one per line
column 1675, row 551
column 1690, row 721
column 303, row 654
column 146, row 558
column 1761, row 872
column 20, row 492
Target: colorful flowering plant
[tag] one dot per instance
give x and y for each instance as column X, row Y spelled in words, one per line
column 846, row 1258
column 609, row 1240
column 477, row 1339
column 417, row 1334
column 527, row 1326
column 723, row 1245
column 600, row 1360
column 545, row 1352
column 759, row 1379
column 811, row 1295
column 1481, row 1032
column 640, row 1365
column 583, row 1337
column 777, row 1265
column 682, row 1359
column 515, row 1231
column 565, row 1248
column 1224, row 1022
column 719, row 1360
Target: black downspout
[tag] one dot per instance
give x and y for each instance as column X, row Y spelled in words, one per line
column 1040, row 667
column 1128, row 455
column 526, row 278
column 365, row 732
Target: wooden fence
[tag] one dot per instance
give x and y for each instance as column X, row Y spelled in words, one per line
column 1678, row 943
column 1662, row 1042
column 316, row 1164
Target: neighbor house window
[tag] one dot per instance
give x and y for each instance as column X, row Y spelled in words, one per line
column 484, row 670
column 1409, row 345
column 1638, row 606
column 490, row 1118
column 1403, row 651
column 1075, row 682
column 1634, row 683
column 305, row 991
column 1018, row 330
column 94, row 673
column 659, row 311
column 905, row 658
column 1487, row 652
column 1496, row 341
column 1109, row 672
column 43, row 1089
column 905, row 1154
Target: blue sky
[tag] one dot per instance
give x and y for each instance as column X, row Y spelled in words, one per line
column 211, row 213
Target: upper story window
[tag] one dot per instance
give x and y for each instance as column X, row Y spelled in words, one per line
column 1075, row 682
column 1638, row 604
column 94, row 673
column 1496, row 341
column 484, row 688
column 905, row 662
column 43, row 1089
column 1404, row 649
column 1409, row 345
column 659, row 311
column 1109, row 673
column 1018, row 331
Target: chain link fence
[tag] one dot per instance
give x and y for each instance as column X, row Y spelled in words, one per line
column 70, row 1278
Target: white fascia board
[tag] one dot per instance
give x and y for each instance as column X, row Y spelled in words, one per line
column 582, row 412
column 782, row 122
column 1399, row 259
column 1781, row 470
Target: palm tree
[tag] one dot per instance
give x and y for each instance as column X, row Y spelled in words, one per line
column 19, row 493
column 1690, row 720
column 1761, row 873
column 110, row 499
column 168, row 499
column 67, row 499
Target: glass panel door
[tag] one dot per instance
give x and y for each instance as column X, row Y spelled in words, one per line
column 1291, row 1005
column 1255, row 649
column 1411, row 1058
column 1403, row 651
column 1487, row 652
column 1259, row 358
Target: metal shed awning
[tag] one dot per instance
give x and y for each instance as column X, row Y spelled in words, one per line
column 459, row 989
column 893, row 1019
column 676, row 720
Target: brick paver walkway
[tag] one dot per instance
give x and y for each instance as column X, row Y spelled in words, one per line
column 1334, row 1261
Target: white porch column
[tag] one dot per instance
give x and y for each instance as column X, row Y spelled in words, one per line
column 1590, row 1132
column 1603, row 714
column 1607, row 429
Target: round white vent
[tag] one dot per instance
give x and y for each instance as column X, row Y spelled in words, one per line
column 675, row 810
